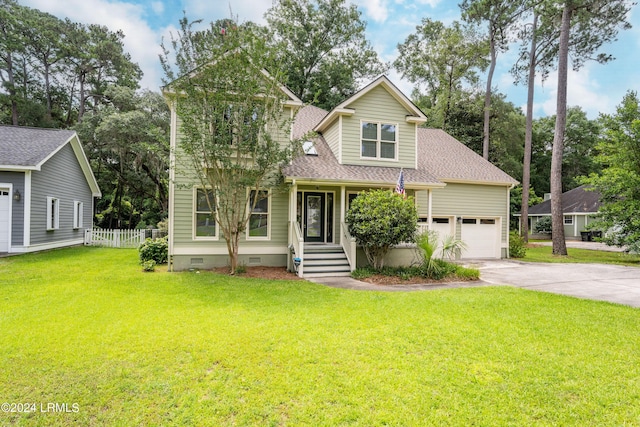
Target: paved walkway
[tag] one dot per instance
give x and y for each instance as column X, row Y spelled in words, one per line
column 602, row 282
column 349, row 283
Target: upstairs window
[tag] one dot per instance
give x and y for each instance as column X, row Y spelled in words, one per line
column 379, row 140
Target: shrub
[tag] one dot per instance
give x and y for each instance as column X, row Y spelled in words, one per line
column 380, row 219
column 154, row 249
column 517, row 248
column 543, row 225
column 149, row 265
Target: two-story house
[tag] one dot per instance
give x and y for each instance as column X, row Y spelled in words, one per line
column 361, row 144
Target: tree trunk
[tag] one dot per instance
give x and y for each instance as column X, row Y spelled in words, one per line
column 487, row 95
column 557, row 222
column 12, row 90
column 528, row 136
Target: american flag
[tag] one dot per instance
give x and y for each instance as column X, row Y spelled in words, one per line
column 400, row 184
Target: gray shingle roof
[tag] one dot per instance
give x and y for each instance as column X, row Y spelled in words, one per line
column 441, row 157
column 22, row 146
column 449, row 159
column 578, row 200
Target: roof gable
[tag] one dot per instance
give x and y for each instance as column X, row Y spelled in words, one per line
column 415, row 115
column 24, row 148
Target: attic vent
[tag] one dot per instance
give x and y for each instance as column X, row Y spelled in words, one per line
column 309, row 148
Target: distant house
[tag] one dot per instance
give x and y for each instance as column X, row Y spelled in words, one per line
column 578, row 207
column 47, row 189
column 363, row 143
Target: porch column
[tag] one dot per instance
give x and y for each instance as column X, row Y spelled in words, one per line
column 343, row 197
column 429, row 211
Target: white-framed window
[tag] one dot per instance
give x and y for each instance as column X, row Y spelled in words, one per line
column 259, row 221
column 379, row 140
column 78, row 211
column 204, row 219
column 568, row 220
column 53, row 213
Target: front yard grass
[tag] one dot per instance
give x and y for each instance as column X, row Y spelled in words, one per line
column 87, row 326
column 540, row 253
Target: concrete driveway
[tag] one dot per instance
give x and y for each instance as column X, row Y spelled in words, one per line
column 590, row 281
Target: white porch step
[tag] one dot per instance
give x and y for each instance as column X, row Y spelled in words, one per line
column 325, row 261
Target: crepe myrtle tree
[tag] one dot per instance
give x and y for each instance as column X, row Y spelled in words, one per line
column 379, row 220
column 234, row 132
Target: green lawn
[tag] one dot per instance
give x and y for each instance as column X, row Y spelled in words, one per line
column 543, row 254
column 86, row 326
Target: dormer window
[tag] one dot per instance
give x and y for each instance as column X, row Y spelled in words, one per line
column 309, row 148
column 379, row 140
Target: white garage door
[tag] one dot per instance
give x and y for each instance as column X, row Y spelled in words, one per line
column 4, row 220
column 482, row 238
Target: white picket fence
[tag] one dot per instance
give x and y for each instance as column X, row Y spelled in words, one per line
column 114, row 238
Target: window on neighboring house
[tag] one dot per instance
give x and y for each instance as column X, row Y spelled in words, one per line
column 53, row 213
column 259, row 221
column 78, row 210
column 379, row 140
column 205, row 226
column 568, row 220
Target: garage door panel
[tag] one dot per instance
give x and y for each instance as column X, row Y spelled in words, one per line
column 4, row 220
column 481, row 237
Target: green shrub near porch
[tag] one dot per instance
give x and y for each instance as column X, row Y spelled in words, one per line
column 380, row 219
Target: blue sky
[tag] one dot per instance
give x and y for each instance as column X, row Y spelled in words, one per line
column 596, row 88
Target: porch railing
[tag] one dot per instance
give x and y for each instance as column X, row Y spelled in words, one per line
column 348, row 245
column 297, row 243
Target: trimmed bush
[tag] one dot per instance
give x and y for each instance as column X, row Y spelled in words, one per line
column 517, row 248
column 154, row 249
column 543, row 225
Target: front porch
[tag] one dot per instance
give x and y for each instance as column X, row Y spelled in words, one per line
column 318, row 237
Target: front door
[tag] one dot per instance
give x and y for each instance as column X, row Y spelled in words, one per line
column 314, row 217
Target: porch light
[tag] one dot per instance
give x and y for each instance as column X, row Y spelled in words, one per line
column 17, row 196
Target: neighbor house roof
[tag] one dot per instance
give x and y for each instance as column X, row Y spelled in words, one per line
column 440, row 158
column 28, row 148
column 578, row 200
column 25, row 148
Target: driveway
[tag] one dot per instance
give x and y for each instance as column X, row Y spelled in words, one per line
column 602, row 282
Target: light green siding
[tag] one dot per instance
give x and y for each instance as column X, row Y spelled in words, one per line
column 189, row 252
column 332, row 137
column 378, row 106
column 473, row 201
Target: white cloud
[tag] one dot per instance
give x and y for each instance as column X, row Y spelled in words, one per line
column 375, row 9
column 582, row 91
column 244, row 10
column 158, row 7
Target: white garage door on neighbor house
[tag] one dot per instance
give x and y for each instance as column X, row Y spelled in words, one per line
column 5, row 202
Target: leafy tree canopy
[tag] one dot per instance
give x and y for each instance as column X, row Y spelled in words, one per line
column 322, row 47
column 619, row 180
